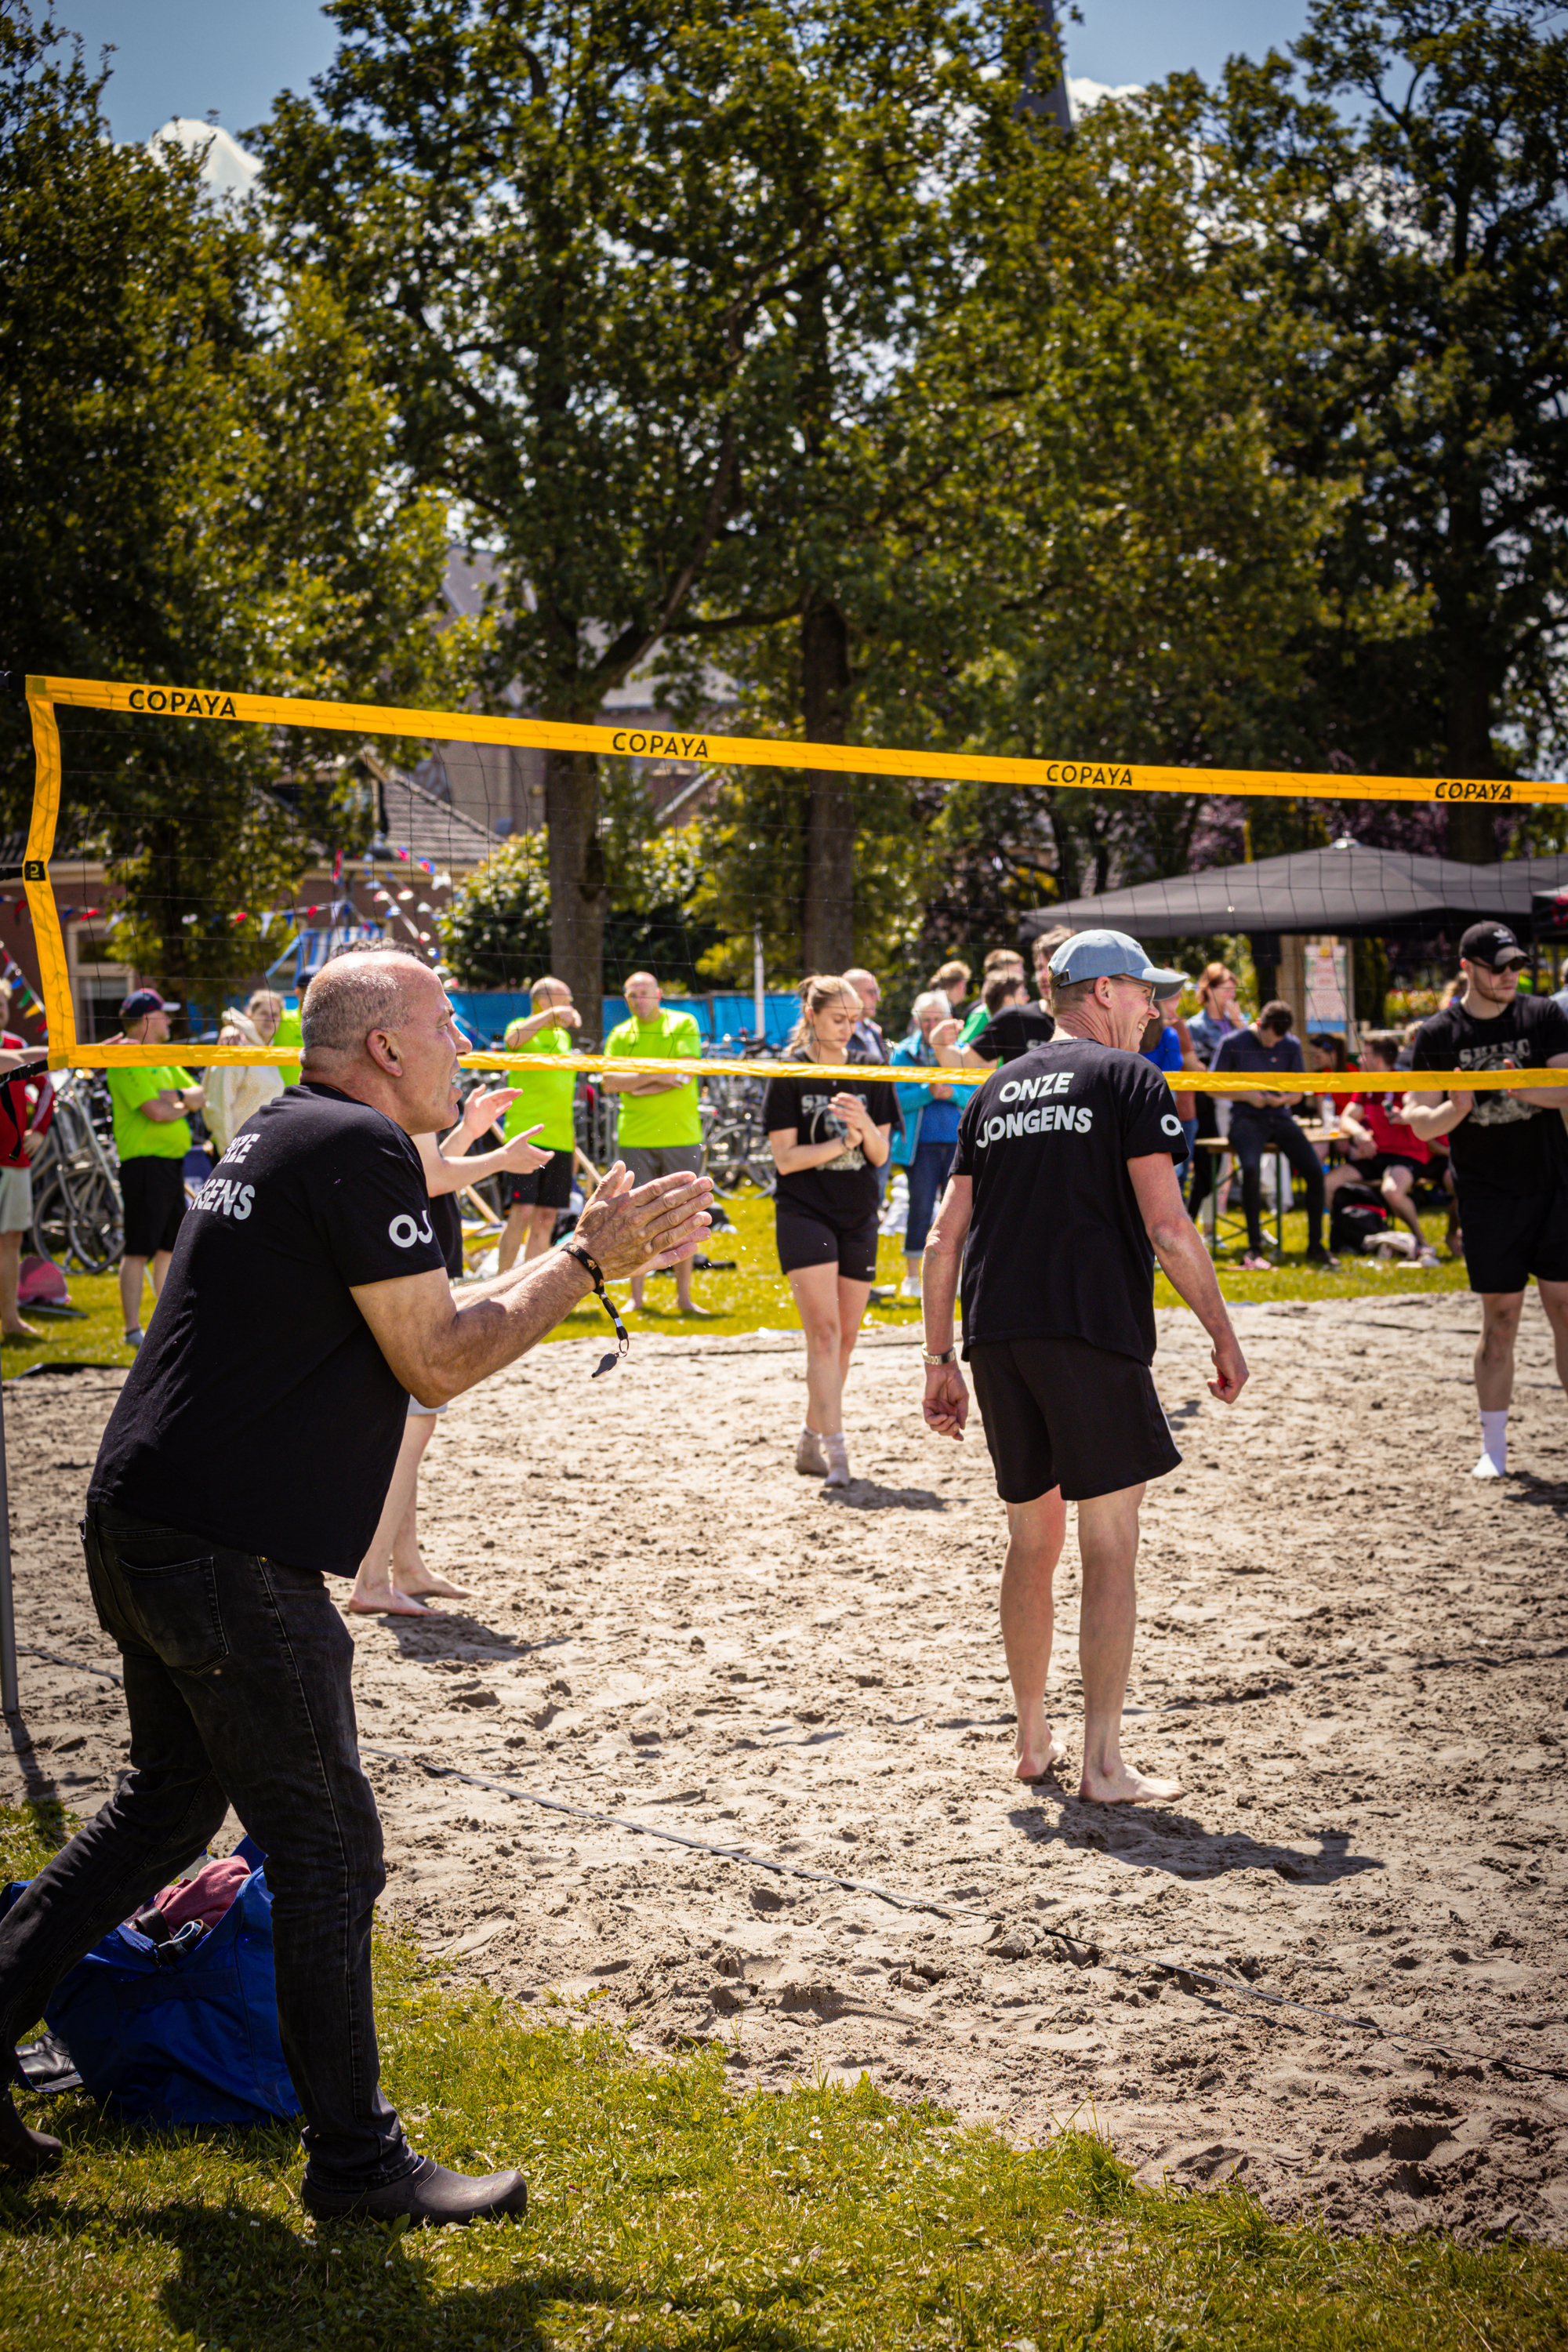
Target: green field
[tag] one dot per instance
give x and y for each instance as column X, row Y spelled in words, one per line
column 754, row 1295
column 667, row 2211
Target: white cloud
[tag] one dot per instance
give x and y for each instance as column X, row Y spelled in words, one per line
column 227, row 169
column 1082, row 93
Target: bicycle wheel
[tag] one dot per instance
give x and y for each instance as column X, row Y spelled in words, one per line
column 51, row 1227
column 95, row 1222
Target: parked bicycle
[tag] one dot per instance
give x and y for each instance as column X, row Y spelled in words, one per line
column 78, row 1215
column 734, row 1139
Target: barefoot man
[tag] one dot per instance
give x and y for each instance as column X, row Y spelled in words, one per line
column 1064, row 1178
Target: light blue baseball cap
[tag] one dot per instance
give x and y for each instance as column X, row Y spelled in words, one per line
column 1110, row 955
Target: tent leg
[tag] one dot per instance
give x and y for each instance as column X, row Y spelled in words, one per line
column 10, row 1703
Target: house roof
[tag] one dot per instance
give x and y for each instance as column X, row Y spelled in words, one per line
column 417, row 821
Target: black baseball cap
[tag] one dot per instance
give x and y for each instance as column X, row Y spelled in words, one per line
column 1492, row 944
column 145, row 1000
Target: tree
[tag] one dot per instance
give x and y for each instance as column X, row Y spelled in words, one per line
column 196, row 467
column 1112, row 557
column 643, row 277
column 917, row 162
column 497, row 927
column 534, row 208
column 1410, row 173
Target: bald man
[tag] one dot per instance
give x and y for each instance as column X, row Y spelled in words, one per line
column 660, row 1131
column 244, row 1463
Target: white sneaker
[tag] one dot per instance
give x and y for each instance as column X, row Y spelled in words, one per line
column 910, row 1287
column 837, row 1460
column 1487, row 1468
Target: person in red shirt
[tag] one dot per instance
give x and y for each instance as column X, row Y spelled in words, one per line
column 1383, row 1150
column 27, row 1106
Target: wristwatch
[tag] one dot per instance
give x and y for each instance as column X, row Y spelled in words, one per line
column 948, row 1356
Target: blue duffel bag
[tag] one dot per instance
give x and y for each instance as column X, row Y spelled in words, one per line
column 178, row 2031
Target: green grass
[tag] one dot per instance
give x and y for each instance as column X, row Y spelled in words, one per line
column 757, row 1296
column 100, row 1341
column 667, row 2211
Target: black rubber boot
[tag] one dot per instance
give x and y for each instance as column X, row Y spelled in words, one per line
column 25, row 2150
column 429, row 2194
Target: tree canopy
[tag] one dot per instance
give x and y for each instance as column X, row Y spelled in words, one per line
column 201, row 489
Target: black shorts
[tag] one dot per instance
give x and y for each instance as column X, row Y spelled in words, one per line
column 153, row 1191
column 1373, row 1169
column 805, row 1240
column 1059, row 1412
column 548, row 1187
column 1509, row 1237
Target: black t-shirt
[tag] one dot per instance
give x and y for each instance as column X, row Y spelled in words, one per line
column 259, row 1411
column 1505, row 1145
column 1011, row 1031
column 844, row 1191
column 446, row 1225
column 1057, row 1245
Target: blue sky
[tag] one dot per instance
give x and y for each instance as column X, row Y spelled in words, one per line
column 182, row 56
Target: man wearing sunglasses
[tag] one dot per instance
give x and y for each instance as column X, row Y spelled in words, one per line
column 306, row 1300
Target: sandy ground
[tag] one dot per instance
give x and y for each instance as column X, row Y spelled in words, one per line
column 1351, row 1649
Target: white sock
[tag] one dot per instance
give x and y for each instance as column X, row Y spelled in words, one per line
column 1494, row 1438
column 834, row 1441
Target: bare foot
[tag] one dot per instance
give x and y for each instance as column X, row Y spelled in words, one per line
column 691, row 1307
column 422, row 1583
column 385, row 1600
column 1038, row 1760
column 20, row 1330
column 1125, row 1787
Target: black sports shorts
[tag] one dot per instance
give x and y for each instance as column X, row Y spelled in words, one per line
column 1509, row 1237
column 153, row 1191
column 1059, row 1412
column 548, row 1187
column 1373, row 1169
column 805, row 1240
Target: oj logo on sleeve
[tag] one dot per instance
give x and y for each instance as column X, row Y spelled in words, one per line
column 1171, row 1124
column 404, row 1232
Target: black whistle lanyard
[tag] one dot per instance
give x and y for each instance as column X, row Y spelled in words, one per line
column 606, row 1364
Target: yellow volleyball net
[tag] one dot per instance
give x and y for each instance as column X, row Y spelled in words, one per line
column 213, row 797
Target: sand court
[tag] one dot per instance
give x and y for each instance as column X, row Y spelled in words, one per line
column 1353, row 1652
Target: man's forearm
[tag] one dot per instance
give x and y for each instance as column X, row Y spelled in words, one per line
column 499, row 1321
column 1189, row 1270
column 1430, row 1120
column 939, row 1265
column 938, row 1294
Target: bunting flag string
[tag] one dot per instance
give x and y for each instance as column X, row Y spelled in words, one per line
column 32, row 1006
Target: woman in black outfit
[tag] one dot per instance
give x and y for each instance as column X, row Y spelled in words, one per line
column 828, row 1141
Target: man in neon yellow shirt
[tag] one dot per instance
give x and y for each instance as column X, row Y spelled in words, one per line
column 288, row 1033
column 152, row 1137
column 661, row 1119
column 543, row 1100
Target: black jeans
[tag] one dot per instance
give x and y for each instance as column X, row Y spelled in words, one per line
column 1253, row 1132
column 1204, row 1162
column 238, row 1685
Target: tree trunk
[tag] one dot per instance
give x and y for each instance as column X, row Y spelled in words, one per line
column 1472, row 829
column 828, row 923
column 577, row 891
